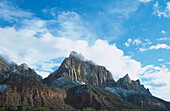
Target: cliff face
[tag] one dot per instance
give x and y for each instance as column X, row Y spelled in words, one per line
column 98, row 98
column 21, row 86
column 5, row 69
column 76, row 68
column 127, row 83
column 76, row 84
column 135, row 93
column 34, row 94
column 12, row 74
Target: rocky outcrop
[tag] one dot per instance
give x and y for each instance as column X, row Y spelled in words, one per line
column 137, row 94
column 21, row 74
column 34, row 94
column 12, row 74
column 76, row 68
column 5, row 68
column 78, row 84
column 127, row 83
column 91, row 96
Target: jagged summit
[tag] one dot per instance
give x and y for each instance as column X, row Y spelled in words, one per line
column 127, row 83
column 127, row 78
column 13, row 74
column 24, row 66
column 74, row 54
column 75, row 68
column 77, row 82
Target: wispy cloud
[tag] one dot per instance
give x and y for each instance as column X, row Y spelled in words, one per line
column 160, row 60
column 11, row 12
column 155, row 47
column 159, row 11
column 145, row 1
column 158, row 81
column 124, row 8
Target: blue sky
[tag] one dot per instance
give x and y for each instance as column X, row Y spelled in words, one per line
column 126, row 36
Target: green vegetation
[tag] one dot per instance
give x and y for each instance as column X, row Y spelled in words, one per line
column 20, row 108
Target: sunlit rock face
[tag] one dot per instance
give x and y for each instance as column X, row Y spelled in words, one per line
column 76, row 68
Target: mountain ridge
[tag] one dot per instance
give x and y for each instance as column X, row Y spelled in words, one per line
column 22, row 86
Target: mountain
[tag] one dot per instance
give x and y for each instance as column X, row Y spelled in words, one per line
column 76, row 68
column 22, row 86
column 75, row 85
column 12, row 74
column 34, row 94
column 137, row 94
column 96, row 97
column 127, row 83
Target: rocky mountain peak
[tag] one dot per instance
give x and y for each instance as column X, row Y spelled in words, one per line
column 124, row 82
column 74, row 54
column 76, row 68
column 127, row 79
column 24, row 66
column 127, row 83
column 12, row 74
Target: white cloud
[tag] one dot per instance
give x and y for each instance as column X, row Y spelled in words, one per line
column 147, row 42
column 23, row 46
column 155, row 47
column 159, row 11
column 10, row 12
column 127, row 44
column 145, row 1
column 135, row 42
column 159, row 46
column 37, row 51
column 163, row 31
column 158, row 81
column 160, row 59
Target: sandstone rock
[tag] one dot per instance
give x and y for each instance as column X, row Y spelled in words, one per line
column 127, row 83
column 76, row 68
column 12, row 74
column 34, row 94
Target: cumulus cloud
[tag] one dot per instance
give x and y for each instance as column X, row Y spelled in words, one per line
column 37, row 51
column 159, row 11
column 36, row 44
column 11, row 12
